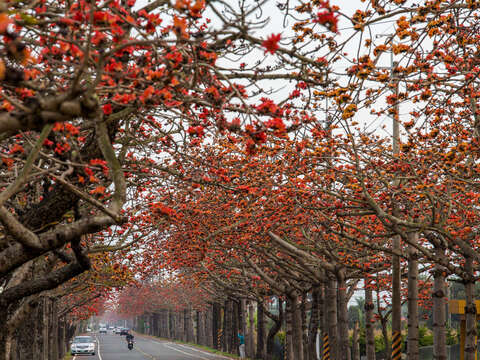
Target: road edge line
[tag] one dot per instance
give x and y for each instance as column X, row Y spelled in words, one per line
column 183, row 352
column 192, row 347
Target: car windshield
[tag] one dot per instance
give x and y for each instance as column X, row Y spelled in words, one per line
column 83, row 340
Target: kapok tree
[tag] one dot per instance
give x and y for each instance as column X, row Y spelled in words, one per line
column 90, row 90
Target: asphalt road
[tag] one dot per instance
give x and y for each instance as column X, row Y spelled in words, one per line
column 114, row 347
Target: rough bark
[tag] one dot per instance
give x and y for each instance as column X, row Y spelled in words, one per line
column 228, row 327
column 355, row 344
column 236, row 314
column 343, row 344
column 289, row 331
column 304, row 328
column 313, row 325
column 470, row 312
column 413, row 335
column 243, row 318
column 323, row 316
column 209, row 327
column 250, row 340
column 439, row 311
column 331, row 304
column 46, row 324
column 277, row 325
column 53, row 341
column 223, row 342
column 386, row 341
column 216, row 325
column 189, row 325
column 369, row 321
column 168, row 334
column 260, row 352
column 201, row 328
column 396, row 299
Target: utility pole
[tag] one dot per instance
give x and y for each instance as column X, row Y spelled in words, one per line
column 396, row 245
column 396, row 350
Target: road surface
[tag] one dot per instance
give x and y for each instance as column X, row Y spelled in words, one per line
column 114, row 347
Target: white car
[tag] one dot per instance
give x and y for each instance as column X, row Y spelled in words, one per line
column 103, row 330
column 83, row 345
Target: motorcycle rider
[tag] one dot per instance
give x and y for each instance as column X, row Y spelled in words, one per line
column 129, row 337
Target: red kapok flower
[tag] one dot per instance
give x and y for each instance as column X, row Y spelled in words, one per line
column 328, row 19
column 107, row 109
column 271, row 44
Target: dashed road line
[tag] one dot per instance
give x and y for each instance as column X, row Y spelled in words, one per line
column 144, row 353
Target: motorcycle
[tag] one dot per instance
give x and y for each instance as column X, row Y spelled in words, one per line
column 130, row 344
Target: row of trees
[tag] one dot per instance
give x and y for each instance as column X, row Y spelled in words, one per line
column 335, row 207
column 185, row 138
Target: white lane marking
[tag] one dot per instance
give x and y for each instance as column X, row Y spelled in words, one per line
column 183, row 352
column 203, row 352
column 98, row 348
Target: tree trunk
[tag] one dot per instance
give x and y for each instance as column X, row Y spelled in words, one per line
column 53, row 322
column 209, row 327
column 297, row 338
column 412, row 339
column 224, row 329
column 289, row 353
column 277, row 325
column 303, row 317
column 396, row 302
column 323, row 317
column 260, row 354
column 355, row 345
column 236, row 319
column 217, row 323
column 250, row 339
column 243, row 318
column 45, row 328
column 36, row 326
column 439, row 311
column 369, row 321
column 155, row 329
column 229, row 326
column 313, row 325
column 167, row 325
column 470, row 312
column 386, row 341
column 331, row 301
column 343, row 317
column 62, row 338
column 201, row 328
column 189, row 325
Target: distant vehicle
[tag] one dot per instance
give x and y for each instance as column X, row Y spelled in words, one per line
column 124, row 331
column 83, row 345
column 111, row 328
column 103, row 330
column 117, row 330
